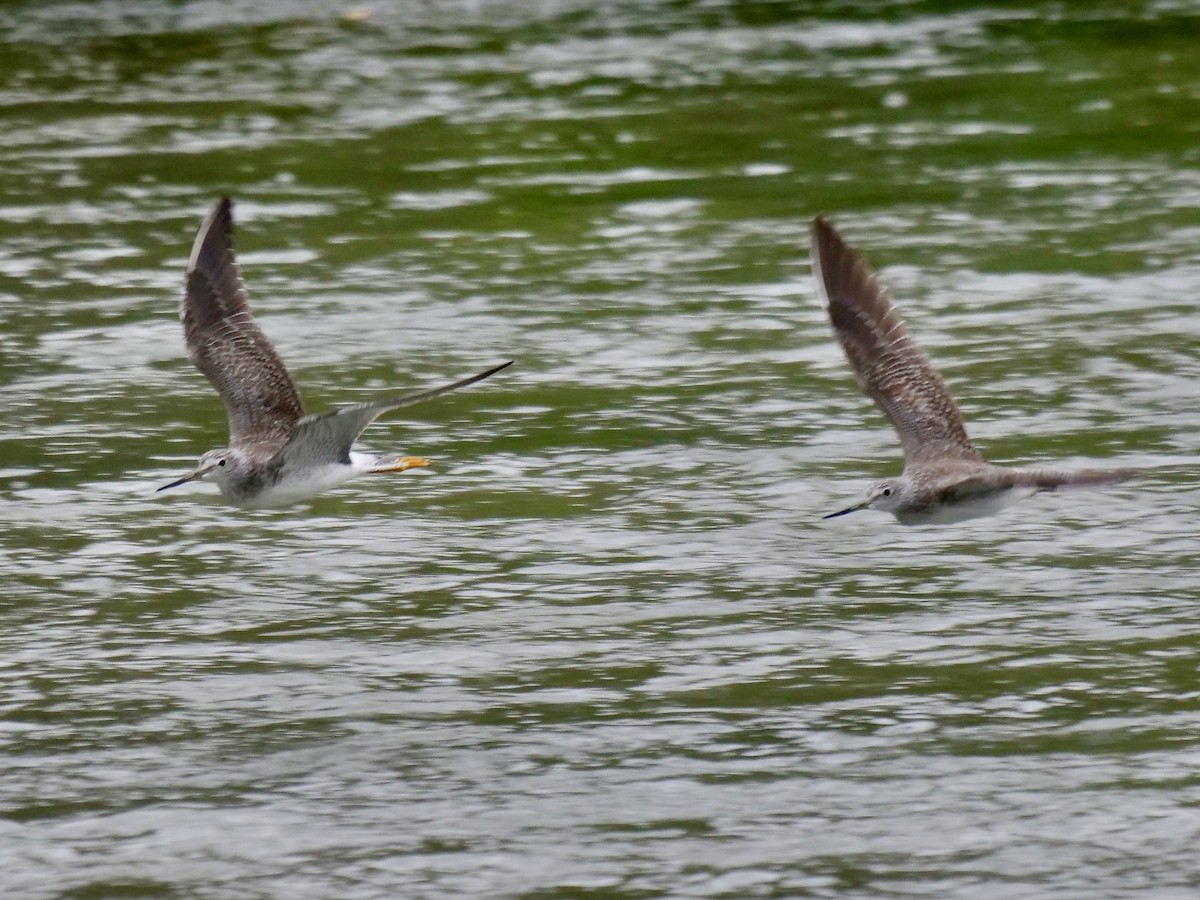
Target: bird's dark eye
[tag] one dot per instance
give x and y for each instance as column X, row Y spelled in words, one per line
column 221, row 462
column 887, row 492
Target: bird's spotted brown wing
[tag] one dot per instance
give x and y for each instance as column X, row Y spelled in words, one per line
column 224, row 343
column 889, row 366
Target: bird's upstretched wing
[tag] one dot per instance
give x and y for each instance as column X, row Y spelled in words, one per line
column 327, row 437
column 889, row 366
column 224, row 343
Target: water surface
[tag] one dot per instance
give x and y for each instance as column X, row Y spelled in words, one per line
column 605, row 647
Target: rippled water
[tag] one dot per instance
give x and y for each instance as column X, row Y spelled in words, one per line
column 606, row 647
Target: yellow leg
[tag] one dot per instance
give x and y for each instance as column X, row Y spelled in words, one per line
column 399, row 465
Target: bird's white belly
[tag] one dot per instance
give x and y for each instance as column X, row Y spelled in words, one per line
column 983, row 505
column 296, row 486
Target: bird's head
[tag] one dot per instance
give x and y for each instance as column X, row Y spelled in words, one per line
column 886, row 496
column 215, row 465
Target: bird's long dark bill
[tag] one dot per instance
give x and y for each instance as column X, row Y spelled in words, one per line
column 842, row 512
column 185, row 479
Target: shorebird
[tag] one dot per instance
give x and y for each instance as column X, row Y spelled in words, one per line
column 276, row 455
column 945, row 479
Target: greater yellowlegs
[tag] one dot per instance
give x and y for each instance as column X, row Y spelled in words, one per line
column 945, row 479
column 276, row 455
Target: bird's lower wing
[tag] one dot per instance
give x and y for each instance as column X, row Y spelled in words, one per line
column 330, row 435
column 998, row 480
column 1053, row 480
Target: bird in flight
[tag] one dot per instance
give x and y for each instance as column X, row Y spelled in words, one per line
column 945, row 479
column 276, row 455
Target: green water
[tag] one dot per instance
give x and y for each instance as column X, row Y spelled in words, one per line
column 605, row 647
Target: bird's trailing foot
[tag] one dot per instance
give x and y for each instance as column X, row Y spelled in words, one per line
column 397, row 464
